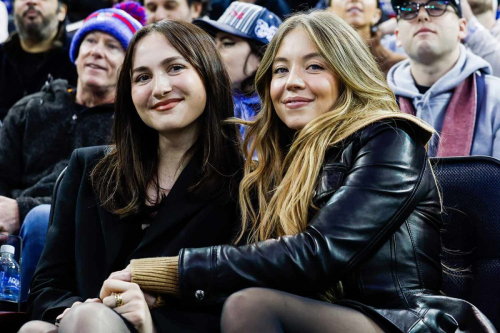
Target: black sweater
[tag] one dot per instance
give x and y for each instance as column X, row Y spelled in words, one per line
column 37, row 138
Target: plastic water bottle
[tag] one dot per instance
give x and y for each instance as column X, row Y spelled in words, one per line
column 9, row 275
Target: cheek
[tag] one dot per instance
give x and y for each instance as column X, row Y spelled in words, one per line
column 140, row 95
column 276, row 91
column 326, row 89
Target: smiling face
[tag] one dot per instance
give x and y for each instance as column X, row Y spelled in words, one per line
column 358, row 13
column 167, row 91
column 99, row 57
column 302, row 88
column 238, row 58
column 426, row 38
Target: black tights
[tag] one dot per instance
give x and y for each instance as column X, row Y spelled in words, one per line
column 267, row 310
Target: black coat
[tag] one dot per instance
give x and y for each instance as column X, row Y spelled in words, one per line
column 378, row 232
column 38, row 137
column 84, row 243
column 15, row 83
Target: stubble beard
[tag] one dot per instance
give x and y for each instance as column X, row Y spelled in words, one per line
column 36, row 32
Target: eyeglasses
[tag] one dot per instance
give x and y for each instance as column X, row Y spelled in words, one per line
column 435, row 8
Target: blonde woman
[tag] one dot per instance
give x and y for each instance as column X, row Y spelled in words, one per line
column 342, row 205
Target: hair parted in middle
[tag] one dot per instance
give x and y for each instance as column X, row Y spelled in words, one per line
column 122, row 177
column 276, row 192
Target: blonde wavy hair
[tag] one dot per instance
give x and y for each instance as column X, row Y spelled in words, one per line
column 276, row 192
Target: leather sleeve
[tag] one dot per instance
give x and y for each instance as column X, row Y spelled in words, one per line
column 53, row 287
column 379, row 192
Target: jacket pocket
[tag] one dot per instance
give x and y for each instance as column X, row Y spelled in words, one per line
column 330, row 179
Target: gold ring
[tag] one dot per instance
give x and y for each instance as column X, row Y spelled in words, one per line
column 118, row 299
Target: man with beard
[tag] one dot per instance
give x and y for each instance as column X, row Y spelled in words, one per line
column 483, row 31
column 38, row 48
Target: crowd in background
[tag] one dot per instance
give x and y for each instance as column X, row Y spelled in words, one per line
column 59, row 65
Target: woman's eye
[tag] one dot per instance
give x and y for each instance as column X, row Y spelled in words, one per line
column 228, row 44
column 280, row 70
column 315, row 67
column 90, row 40
column 141, row 78
column 176, row 68
column 113, row 46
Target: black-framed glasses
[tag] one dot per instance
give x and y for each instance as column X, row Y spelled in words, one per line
column 410, row 10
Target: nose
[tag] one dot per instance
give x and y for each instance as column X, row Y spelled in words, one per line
column 422, row 14
column 161, row 14
column 294, row 81
column 97, row 49
column 162, row 86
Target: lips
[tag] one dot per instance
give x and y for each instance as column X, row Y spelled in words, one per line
column 354, row 10
column 31, row 12
column 167, row 104
column 296, row 102
column 423, row 30
column 95, row 66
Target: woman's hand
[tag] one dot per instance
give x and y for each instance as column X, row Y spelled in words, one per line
column 126, row 276
column 123, row 275
column 134, row 307
column 90, row 300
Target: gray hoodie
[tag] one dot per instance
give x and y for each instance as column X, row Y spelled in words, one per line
column 431, row 106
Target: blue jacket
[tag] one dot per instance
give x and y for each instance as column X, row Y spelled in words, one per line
column 245, row 107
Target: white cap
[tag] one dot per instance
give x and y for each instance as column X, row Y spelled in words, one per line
column 8, row 249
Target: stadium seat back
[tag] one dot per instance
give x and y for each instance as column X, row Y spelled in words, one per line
column 470, row 188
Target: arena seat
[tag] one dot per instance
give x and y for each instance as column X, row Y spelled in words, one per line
column 470, row 188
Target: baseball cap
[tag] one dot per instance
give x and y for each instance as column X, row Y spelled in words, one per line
column 244, row 20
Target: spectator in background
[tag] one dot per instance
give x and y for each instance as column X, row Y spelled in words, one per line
column 483, row 30
column 42, row 130
column 363, row 16
column 241, row 35
column 443, row 83
column 38, row 48
column 4, row 22
column 184, row 10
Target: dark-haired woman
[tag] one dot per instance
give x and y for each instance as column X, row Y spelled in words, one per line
column 165, row 183
column 241, row 35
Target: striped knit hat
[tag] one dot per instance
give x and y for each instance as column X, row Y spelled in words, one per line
column 245, row 20
column 115, row 22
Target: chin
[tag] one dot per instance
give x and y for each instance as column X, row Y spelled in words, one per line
column 296, row 125
column 94, row 82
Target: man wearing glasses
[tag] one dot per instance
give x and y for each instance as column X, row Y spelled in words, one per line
column 442, row 82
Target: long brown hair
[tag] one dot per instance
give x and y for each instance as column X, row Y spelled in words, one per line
column 122, row 177
column 276, row 193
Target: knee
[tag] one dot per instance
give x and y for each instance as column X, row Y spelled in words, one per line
column 82, row 315
column 37, row 326
column 242, row 307
column 37, row 220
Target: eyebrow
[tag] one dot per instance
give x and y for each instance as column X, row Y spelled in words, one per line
column 164, row 62
column 306, row 57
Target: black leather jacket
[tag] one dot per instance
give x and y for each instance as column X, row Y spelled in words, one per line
column 377, row 232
